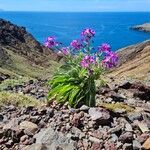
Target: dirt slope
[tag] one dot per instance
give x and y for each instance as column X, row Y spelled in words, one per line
column 134, row 62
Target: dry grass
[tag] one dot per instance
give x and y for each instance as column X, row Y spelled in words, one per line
column 18, row 100
column 13, row 82
column 21, row 66
column 115, row 106
column 137, row 68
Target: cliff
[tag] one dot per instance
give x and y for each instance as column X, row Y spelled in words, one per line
column 134, row 62
column 20, row 41
column 22, row 54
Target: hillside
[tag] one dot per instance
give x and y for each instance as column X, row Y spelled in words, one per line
column 21, row 54
column 134, row 62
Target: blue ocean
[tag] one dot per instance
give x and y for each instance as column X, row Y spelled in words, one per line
column 113, row 28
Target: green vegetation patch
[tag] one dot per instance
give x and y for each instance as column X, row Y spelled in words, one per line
column 21, row 66
column 18, row 100
column 13, row 82
column 116, row 106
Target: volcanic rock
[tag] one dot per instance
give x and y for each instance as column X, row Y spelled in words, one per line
column 96, row 146
column 29, row 127
column 126, row 137
column 99, row 114
column 53, row 139
column 127, row 146
column 12, row 124
column 136, row 145
column 146, row 144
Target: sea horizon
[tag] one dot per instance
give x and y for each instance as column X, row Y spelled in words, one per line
column 75, row 11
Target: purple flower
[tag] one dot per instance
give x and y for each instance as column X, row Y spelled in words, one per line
column 84, row 64
column 90, row 59
column 110, row 60
column 76, row 44
column 50, row 42
column 50, row 38
column 87, row 60
column 88, row 32
column 46, row 44
column 104, row 48
column 65, row 50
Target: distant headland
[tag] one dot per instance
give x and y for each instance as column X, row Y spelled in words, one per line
column 144, row 27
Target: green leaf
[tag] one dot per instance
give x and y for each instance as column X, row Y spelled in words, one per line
column 73, row 84
column 73, row 95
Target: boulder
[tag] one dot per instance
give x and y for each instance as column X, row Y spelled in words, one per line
column 146, row 144
column 126, row 137
column 12, row 124
column 53, row 140
column 99, row 114
column 29, row 127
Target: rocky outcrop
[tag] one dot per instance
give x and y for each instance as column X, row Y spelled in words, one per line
column 20, row 41
column 18, row 47
column 144, row 27
column 134, row 61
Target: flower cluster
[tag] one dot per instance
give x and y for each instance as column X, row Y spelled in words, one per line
column 104, row 47
column 88, row 33
column 75, row 80
column 111, row 58
column 88, row 60
column 65, row 50
column 75, row 44
column 50, row 42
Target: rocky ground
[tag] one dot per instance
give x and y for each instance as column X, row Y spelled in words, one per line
column 37, row 89
column 121, row 121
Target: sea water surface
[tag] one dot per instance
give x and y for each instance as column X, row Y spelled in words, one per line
column 113, row 28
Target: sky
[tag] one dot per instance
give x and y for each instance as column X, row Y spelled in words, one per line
column 75, row 5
